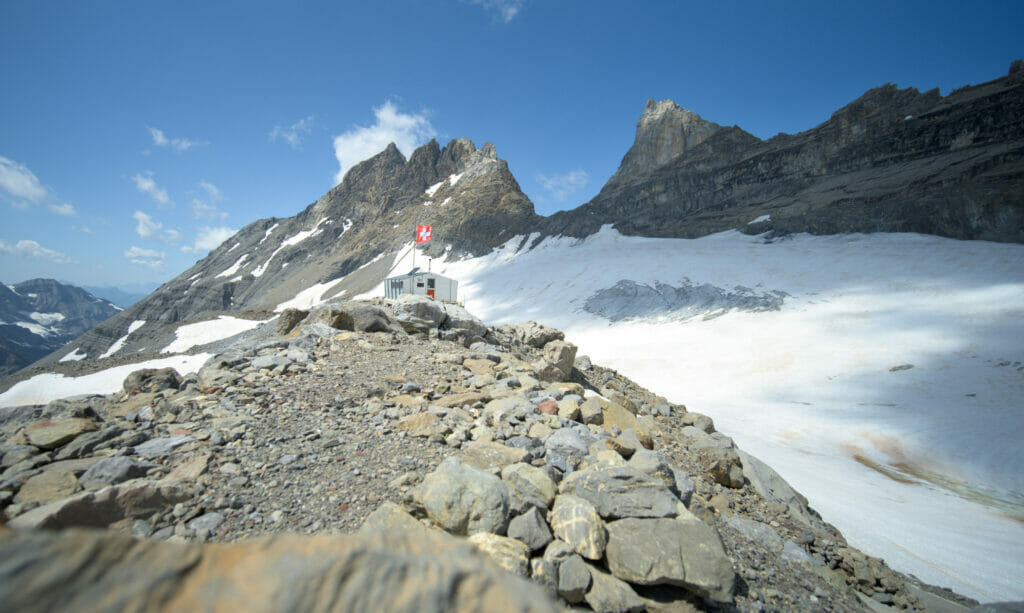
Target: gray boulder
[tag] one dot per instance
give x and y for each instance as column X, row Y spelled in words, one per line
column 463, row 499
column 162, row 446
column 461, row 320
column 561, row 355
column 152, row 380
column 757, row 531
column 288, row 319
column 565, row 448
column 206, row 524
column 368, row 318
column 608, row 594
column 270, row 362
column 529, row 486
column 773, row 487
column 418, row 314
column 621, row 491
column 501, row 410
column 685, row 552
column 117, row 469
column 575, row 521
column 536, row 335
column 138, row 498
column 573, row 579
column 531, row 529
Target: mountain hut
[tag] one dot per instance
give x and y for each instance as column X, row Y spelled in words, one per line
column 423, row 283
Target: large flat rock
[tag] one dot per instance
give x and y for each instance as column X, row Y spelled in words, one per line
column 84, row 570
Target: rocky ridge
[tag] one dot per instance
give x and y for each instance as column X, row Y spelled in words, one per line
column 374, row 211
column 894, row 160
column 424, row 431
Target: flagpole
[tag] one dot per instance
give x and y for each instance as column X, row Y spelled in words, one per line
column 414, row 239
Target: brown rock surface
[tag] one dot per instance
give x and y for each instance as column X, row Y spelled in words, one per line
column 398, row 571
column 52, row 433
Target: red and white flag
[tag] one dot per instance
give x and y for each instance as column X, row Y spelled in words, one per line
column 422, row 234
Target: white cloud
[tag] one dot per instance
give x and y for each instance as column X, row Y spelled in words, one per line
column 33, row 250
column 146, row 226
column 212, row 191
column 209, row 238
column 17, row 180
column 178, row 144
column 407, row 131
column 171, row 236
column 83, row 229
column 145, row 257
column 560, row 187
column 66, row 209
column 506, row 9
column 201, row 210
column 147, row 185
column 294, row 134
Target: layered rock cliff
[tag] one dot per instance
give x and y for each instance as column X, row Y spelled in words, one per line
column 894, row 160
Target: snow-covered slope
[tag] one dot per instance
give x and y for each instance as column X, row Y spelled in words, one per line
column 888, row 386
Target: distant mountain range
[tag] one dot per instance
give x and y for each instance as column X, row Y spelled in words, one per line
column 123, row 297
column 894, row 160
column 41, row 315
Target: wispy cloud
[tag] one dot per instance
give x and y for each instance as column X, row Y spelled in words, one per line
column 407, row 131
column 209, row 238
column 145, row 257
column 561, row 187
column 177, row 144
column 293, row 134
column 33, row 250
column 83, row 229
column 66, row 209
column 147, row 185
column 505, row 10
column 204, row 210
column 201, row 210
column 20, row 182
column 147, row 227
column 212, row 191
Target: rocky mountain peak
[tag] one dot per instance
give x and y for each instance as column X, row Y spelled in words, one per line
column 41, row 315
column 664, row 132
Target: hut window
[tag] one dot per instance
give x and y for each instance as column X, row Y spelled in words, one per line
column 430, row 283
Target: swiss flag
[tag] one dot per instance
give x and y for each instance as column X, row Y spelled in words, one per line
column 422, row 234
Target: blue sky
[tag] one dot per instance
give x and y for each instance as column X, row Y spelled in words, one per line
column 135, row 136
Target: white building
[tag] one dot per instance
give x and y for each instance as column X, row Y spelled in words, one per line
column 423, row 283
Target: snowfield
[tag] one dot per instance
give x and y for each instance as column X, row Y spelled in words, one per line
column 116, row 346
column 203, row 332
column 888, row 385
column 41, row 389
